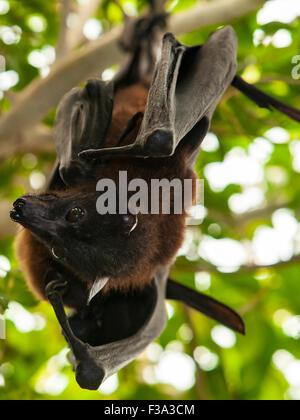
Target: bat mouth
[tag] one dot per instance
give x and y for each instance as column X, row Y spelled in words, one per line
column 114, row 317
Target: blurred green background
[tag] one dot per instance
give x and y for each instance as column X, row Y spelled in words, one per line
column 245, row 253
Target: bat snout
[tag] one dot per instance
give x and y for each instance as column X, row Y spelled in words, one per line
column 160, row 143
column 28, row 209
column 16, row 213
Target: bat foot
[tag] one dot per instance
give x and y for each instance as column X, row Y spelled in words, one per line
column 55, row 288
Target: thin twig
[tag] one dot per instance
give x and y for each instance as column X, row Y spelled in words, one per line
column 62, row 47
column 274, row 78
column 194, row 267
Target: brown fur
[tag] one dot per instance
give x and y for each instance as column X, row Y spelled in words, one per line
column 167, row 231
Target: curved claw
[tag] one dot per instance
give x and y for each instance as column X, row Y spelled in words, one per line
column 55, row 287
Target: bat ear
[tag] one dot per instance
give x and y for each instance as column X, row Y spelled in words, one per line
column 189, row 146
column 187, row 85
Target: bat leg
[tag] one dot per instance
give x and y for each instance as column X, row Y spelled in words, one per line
column 205, row 304
column 264, row 100
column 88, row 374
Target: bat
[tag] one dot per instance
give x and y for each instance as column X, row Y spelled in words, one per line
column 112, row 270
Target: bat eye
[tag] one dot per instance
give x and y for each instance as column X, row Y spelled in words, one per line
column 57, row 253
column 75, row 214
column 130, row 222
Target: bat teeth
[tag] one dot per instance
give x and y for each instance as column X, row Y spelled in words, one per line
column 97, row 286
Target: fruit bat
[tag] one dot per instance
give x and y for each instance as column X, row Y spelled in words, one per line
column 112, row 270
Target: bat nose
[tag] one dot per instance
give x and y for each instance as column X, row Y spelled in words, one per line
column 16, row 213
column 23, row 208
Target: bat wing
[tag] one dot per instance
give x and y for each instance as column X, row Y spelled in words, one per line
column 205, row 304
column 55, row 181
column 187, row 84
column 95, row 361
column 82, row 121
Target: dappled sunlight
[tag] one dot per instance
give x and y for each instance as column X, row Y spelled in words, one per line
column 176, row 369
column 223, row 337
column 24, row 320
column 37, row 23
column 237, row 168
column 277, row 135
column 202, row 281
column 110, row 385
column 271, row 245
column 248, row 200
column 206, row 359
column 290, row 367
column 284, row 11
column 4, row 7
column 8, row 79
column 295, row 151
column 42, row 59
column 10, row 34
column 227, row 254
column 4, row 265
column 37, row 180
column 210, row 143
column 92, row 29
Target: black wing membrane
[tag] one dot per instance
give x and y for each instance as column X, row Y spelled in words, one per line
column 82, row 121
column 55, row 181
column 187, row 84
column 264, row 100
column 206, row 305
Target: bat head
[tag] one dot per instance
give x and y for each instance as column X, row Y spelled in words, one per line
column 76, row 235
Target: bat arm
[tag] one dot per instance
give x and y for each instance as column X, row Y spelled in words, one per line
column 159, row 143
column 88, row 374
column 205, row 304
column 129, row 150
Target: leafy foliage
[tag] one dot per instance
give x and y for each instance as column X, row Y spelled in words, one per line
column 259, row 366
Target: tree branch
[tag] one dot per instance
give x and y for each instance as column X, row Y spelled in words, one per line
column 7, row 227
column 202, row 265
column 61, row 46
column 34, row 102
column 37, row 140
column 272, row 78
column 211, row 13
